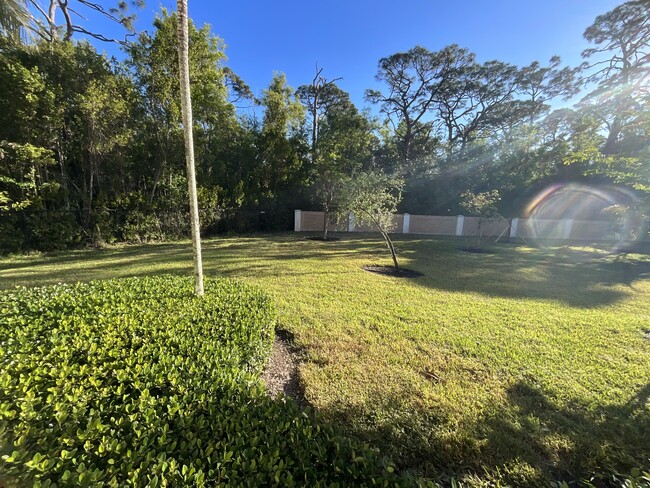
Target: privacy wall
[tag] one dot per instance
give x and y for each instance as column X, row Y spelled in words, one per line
column 566, row 229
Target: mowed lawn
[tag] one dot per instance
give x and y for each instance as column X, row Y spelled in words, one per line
column 526, row 365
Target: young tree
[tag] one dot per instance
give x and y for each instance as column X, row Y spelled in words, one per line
column 373, row 199
column 346, row 146
column 483, row 206
column 186, row 108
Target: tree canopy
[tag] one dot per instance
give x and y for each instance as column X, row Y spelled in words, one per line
column 91, row 148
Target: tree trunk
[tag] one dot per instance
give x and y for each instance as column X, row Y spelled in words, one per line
column 51, row 21
column 612, row 137
column 64, row 175
column 156, row 179
column 314, row 129
column 391, row 248
column 186, row 107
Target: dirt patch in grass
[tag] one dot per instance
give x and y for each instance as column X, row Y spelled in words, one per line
column 281, row 372
column 391, row 271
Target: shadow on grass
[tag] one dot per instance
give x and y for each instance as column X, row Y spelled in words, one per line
column 222, row 256
column 528, row 441
column 625, row 271
column 575, row 277
column 571, row 443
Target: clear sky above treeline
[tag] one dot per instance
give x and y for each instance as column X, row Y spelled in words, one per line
column 348, row 37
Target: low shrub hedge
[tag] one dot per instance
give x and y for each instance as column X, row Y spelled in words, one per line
column 137, row 382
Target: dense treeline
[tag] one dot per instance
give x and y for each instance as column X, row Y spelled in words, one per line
column 91, row 148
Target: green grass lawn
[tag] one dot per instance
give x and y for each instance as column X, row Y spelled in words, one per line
column 526, row 365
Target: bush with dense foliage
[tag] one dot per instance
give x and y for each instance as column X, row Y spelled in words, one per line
column 137, row 381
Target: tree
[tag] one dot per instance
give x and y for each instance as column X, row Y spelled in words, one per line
column 451, row 115
column 20, row 184
column 68, row 99
column 614, row 143
column 104, row 107
column 483, row 206
column 419, row 80
column 318, row 97
column 43, row 20
column 373, row 198
column 345, row 145
column 154, row 64
column 623, row 34
column 341, row 141
column 281, row 140
column 622, row 38
column 539, row 84
column 186, row 104
column 475, row 103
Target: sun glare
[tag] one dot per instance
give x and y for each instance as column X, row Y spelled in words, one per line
column 557, row 206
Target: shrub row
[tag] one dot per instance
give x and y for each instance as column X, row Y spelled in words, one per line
column 137, row 382
column 50, row 230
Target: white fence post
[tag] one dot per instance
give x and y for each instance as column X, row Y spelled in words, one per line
column 297, row 220
column 406, row 224
column 460, row 222
column 351, row 222
column 568, row 225
column 513, row 227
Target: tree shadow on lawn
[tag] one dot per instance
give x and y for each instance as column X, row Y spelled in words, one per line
column 526, row 441
column 227, row 256
column 594, row 440
column 29, row 260
column 625, row 271
column 576, row 277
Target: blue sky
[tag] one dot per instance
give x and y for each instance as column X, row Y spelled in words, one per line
column 347, row 38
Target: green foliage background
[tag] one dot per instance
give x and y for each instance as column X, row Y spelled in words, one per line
column 91, row 148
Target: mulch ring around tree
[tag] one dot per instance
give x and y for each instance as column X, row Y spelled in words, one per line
column 320, row 238
column 391, row 271
column 476, row 250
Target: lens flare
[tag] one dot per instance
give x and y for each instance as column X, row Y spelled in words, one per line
column 601, row 212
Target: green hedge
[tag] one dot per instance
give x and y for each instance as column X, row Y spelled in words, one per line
column 136, row 382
